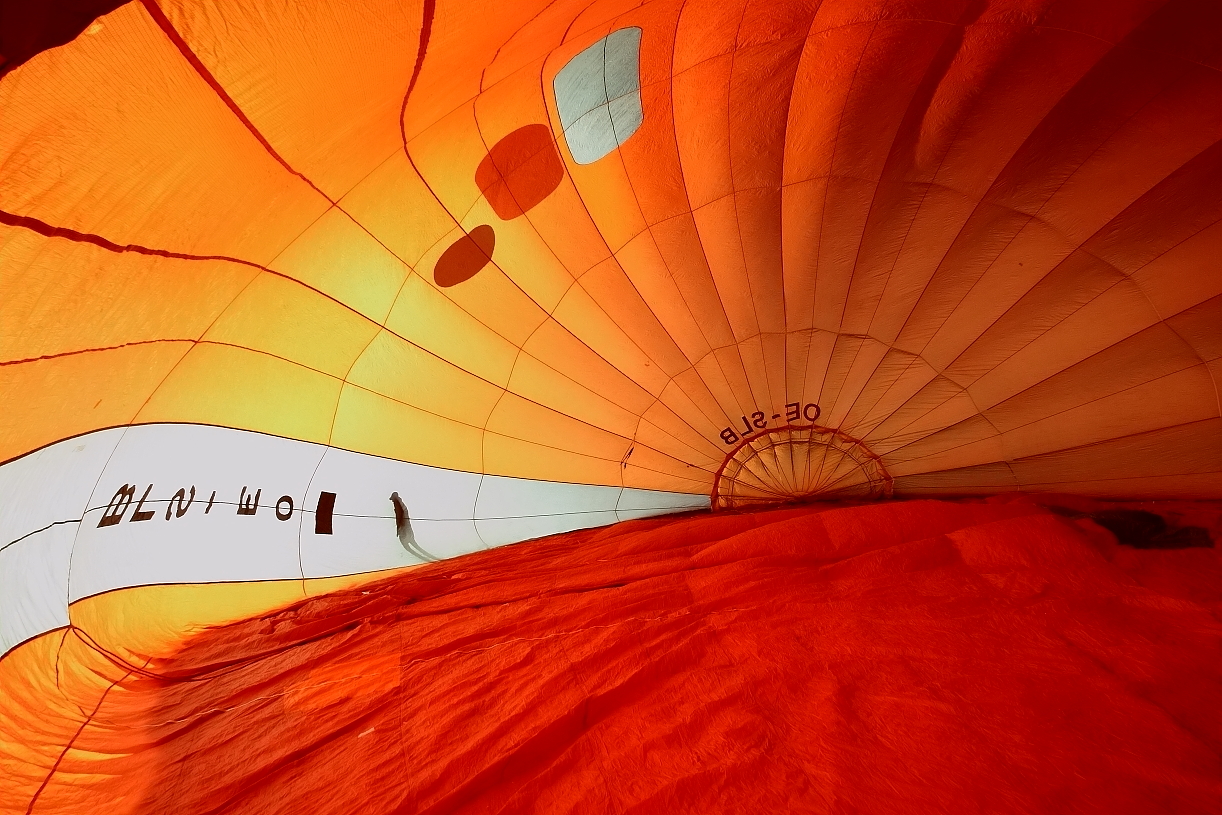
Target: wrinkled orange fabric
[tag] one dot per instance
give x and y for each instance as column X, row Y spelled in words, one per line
column 918, row 656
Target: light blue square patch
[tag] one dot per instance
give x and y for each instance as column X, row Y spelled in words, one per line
column 598, row 95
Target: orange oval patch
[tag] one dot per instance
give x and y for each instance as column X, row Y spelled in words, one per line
column 465, row 257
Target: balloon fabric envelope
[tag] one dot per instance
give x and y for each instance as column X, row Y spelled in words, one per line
column 309, row 311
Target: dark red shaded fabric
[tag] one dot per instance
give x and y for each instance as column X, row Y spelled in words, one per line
column 465, row 257
column 915, row 657
column 520, row 171
column 29, row 27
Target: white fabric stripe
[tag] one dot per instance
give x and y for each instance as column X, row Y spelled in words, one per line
column 57, row 548
column 34, row 584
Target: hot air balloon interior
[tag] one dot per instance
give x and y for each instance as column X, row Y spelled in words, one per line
column 449, row 406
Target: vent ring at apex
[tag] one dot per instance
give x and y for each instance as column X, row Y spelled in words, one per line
column 798, row 463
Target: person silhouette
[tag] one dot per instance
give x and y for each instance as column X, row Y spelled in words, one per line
column 403, row 528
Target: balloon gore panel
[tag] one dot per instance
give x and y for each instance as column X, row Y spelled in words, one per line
column 607, row 243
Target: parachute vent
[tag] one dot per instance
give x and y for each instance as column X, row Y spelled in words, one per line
column 793, row 464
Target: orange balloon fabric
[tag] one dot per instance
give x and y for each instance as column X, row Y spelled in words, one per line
column 296, row 294
column 918, row 657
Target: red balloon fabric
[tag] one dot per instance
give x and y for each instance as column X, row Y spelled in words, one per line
column 916, row 657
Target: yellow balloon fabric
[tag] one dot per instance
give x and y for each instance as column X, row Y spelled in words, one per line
column 990, row 274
